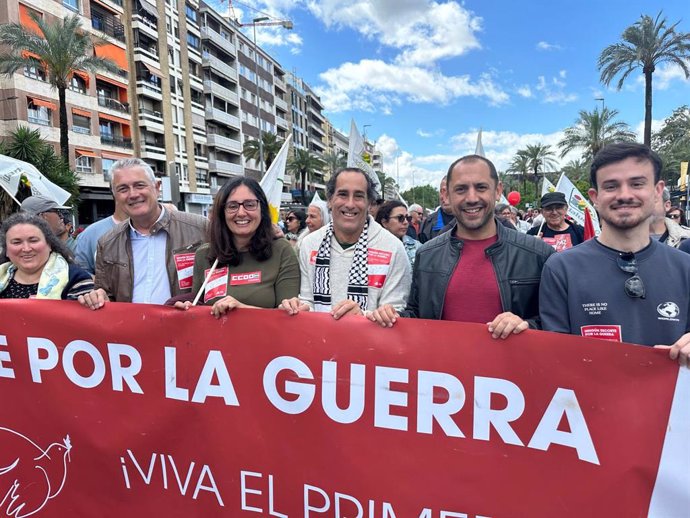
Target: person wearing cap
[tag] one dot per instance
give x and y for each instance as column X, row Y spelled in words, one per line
column 52, row 213
column 556, row 230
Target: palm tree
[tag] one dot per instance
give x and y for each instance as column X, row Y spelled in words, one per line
column 389, row 189
column 646, row 44
column 271, row 145
column 519, row 165
column 539, row 157
column 304, row 164
column 335, row 160
column 594, row 130
column 60, row 49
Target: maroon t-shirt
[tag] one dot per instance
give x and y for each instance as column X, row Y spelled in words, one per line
column 472, row 294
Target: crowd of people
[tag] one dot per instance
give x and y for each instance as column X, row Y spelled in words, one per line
column 469, row 260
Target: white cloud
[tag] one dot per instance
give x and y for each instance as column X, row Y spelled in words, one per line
column 553, row 90
column 373, row 85
column 667, row 73
column 424, row 134
column 543, row 45
column 423, row 31
column 524, row 91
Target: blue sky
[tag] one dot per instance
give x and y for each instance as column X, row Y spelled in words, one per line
column 427, row 75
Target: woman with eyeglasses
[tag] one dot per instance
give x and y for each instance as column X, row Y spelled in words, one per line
column 35, row 263
column 252, row 268
column 392, row 216
column 296, row 226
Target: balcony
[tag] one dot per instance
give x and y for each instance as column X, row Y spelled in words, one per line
column 113, row 104
column 81, row 129
column 149, row 89
column 225, row 168
column 221, row 92
column 223, row 117
column 282, row 122
column 107, row 24
column 223, row 43
column 280, row 103
column 226, row 143
column 219, row 66
column 110, row 140
column 279, row 83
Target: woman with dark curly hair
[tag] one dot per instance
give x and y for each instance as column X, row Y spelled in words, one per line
column 252, row 269
column 34, row 263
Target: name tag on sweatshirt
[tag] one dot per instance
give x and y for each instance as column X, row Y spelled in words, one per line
column 240, row 279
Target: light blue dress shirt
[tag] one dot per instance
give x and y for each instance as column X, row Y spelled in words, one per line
column 151, row 283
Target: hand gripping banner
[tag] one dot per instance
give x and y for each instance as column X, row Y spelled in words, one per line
column 139, row 410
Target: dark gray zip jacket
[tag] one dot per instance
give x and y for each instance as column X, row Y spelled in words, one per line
column 517, row 260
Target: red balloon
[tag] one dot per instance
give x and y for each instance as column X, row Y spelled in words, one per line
column 513, row 198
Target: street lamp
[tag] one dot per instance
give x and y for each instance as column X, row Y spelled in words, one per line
column 602, row 102
column 262, row 20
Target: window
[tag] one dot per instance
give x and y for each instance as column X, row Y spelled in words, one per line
column 38, row 114
column 77, row 84
column 35, row 73
column 84, row 164
column 81, row 124
column 191, row 13
column 71, row 4
column 106, row 164
column 193, row 41
column 106, row 128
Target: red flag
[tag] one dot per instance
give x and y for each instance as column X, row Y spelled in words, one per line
column 589, row 226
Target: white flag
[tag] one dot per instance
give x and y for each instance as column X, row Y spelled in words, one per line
column 547, row 186
column 355, row 157
column 273, row 180
column 577, row 203
column 479, row 150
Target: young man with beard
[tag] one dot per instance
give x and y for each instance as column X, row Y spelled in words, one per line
column 351, row 265
column 480, row 270
column 623, row 285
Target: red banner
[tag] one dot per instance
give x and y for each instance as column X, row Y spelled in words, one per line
column 139, row 410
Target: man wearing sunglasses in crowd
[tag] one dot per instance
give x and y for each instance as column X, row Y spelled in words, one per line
column 617, row 286
column 54, row 214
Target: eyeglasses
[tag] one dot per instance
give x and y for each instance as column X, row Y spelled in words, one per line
column 553, row 208
column 401, row 218
column 634, row 287
column 290, row 218
column 234, row 206
column 673, row 216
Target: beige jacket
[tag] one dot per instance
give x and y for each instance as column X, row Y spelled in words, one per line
column 114, row 268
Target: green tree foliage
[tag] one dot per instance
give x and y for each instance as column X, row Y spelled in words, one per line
column 335, row 160
column 61, row 48
column 425, row 195
column 271, row 145
column 672, row 142
column 304, row 164
column 594, row 130
column 645, row 44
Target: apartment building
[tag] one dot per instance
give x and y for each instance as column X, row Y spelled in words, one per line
column 169, row 112
column 98, row 105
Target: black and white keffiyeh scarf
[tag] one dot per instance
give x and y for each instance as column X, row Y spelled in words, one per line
column 358, row 278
